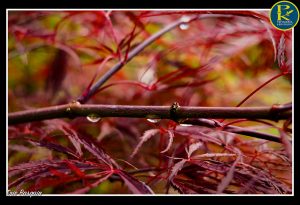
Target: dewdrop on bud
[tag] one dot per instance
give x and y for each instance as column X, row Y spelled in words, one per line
column 153, row 120
column 93, row 118
column 184, row 25
column 75, row 102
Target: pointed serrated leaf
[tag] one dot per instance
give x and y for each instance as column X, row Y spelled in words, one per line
column 74, row 139
column 146, row 136
column 281, row 52
column 229, row 176
column 55, row 147
column 176, row 168
column 171, row 137
column 193, row 147
column 91, row 146
column 207, row 155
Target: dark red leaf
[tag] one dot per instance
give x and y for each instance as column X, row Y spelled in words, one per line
column 75, row 169
column 55, row 147
column 57, row 71
column 57, row 173
column 287, row 144
column 87, row 188
column 50, row 182
column 134, row 185
column 176, row 168
column 93, row 148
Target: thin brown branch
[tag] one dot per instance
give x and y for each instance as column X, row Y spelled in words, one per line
column 73, row 110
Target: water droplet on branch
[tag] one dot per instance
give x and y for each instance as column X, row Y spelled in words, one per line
column 184, row 26
column 185, row 20
column 153, row 120
column 93, row 118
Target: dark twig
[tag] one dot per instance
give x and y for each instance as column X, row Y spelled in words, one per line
column 233, row 129
column 73, row 110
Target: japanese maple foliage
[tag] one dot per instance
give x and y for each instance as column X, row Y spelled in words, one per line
column 196, row 58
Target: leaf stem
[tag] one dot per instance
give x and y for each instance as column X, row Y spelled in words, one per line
column 261, row 86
